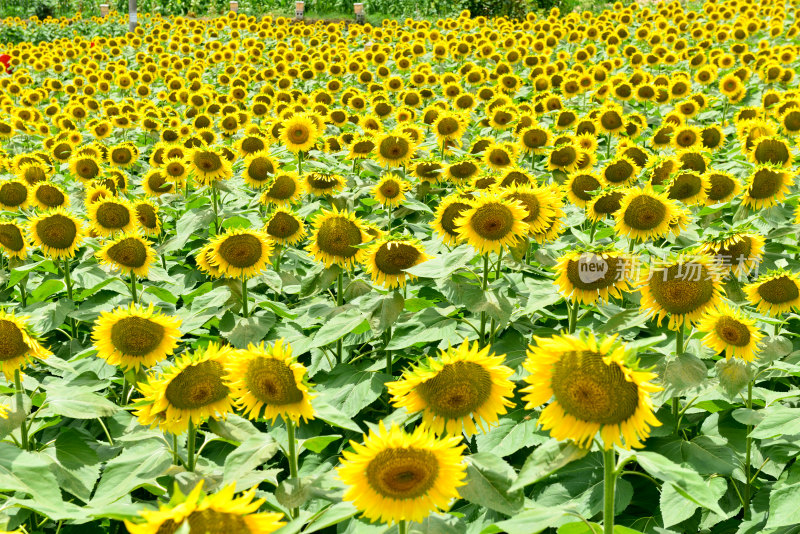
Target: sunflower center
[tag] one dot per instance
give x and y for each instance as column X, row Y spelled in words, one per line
column 34, row 175
column 260, row 169
column 394, row 148
column 583, row 273
column 584, row 183
column 207, row 162
column 721, row 186
column 531, row 204
column 499, row 157
column 732, row 332
column 390, row 189
column 766, row 183
column 146, row 216
column 87, row 169
column 208, row 521
column 619, row 172
column 591, row 390
column 158, row 183
column 12, row 344
column 130, row 252
column 57, row 231
column 611, row 120
column 394, row 258
column 241, row 250
column 779, row 290
column 49, row 196
column 457, row 390
column 609, row 203
column 337, row 237
column 535, row 138
column 682, row 288
column 685, row 186
column 322, row 182
column 175, row 169
column 11, row 237
column 113, row 215
column 462, row 170
column 771, row 151
column 282, row 188
column 136, row 336
column 564, row 156
column 121, row 156
column 447, row 126
column 645, row 213
column 299, row 134
column 13, row 194
column 272, row 381
column 403, row 473
column 282, row 225
column 737, row 252
column 450, row 214
column 197, row 386
column 253, row 144
column 492, row 221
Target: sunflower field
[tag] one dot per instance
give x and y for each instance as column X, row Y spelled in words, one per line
column 457, row 276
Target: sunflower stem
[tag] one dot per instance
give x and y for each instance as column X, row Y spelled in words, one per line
column 608, row 146
column 748, row 447
column 402, row 527
column 245, row 314
column 484, row 286
column 339, row 302
column 609, row 484
column 133, row 288
column 190, row 446
column 68, row 282
column 19, row 392
column 676, row 403
column 292, row 458
column 299, row 163
column 387, row 339
column 23, row 293
column 573, row 315
column 216, row 209
column 591, row 233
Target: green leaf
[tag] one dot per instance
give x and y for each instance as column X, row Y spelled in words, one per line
column 532, row 520
column 442, row 266
column 77, row 465
column 733, row 375
column 332, row 416
column 77, row 403
column 250, row 330
column 318, row 443
column 783, row 506
column 547, row 459
column 684, row 372
column 686, row 481
column 675, row 508
column 513, row 432
column 241, row 464
column 488, row 481
column 47, row 288
column 778, row 421
column 350, row 389
column 137, row 466
column 334, row 515
column 29, row 473
column 579, row 527
column 338, row 327
column 387, row 312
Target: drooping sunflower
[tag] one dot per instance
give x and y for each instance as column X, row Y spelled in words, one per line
column 592, row 387
column 283, row 189
column 147, row 217
column 211, row 514
column 388, row 258
column 285, row 227
column 323, row 183
column 14, row 195
column 299, row 133
column 57, row 233
column 267, row 382
column 688, row 187
column 766, row 186
column 394, row 149
column 12, row 240
column 394, row 476
column 334, row 238
column 722, row 187
column 447, row 213
column 391, row 190
column 730, row 331
column 580, row 185
column 591, row 275
column 19, row 344
column 191, row 389
column 735, row 251
column 46, row 195
column 259, row 168
column 644, row 214
column 775, row 293
column 208, row 164
column 128, row 253
column 241, row 253
column 492, row 223
column 465, row 385
column 133, row 337
column 771, row 150
column 682, row 288
column 111, row 215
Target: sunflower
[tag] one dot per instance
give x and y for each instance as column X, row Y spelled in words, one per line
column 57, row 233
column 85, row 167
column 147, row 217
column 610, row 119
column 535, row 140
column 394, row 149
column 766, row 186
column 449, row 126
column 259, row 168
column 321, row 184
column 14, row 195
column 190, row 390
column 449, row 210
column 109, row 216
column 771, row 150
column 175, row 169
column 46, row 195
column 285, row 227
column 644, row 214
column 299, row 133
column 387, row 259
column 563, row 157
column 591, row 275
column 123, row 155
column 134, row 336
column 211, row 514
column 579, row 186
column 499, row 156
column 688, row 187
column 391, row 190
column 12, row 240
column 267, row 382
column 156, row 183
column 682, row 288
column 722, row 187
column 465, row 385
column 394, row 476
column 775, row 293
column 335, row 238
column 594, row 388
column 129, row 253
column 283, row 189
column 209, row 164
column 241, row 253
column 730, row 331
column 491, row 223
column 736, row 251
column 19, row 346
column 539, row 204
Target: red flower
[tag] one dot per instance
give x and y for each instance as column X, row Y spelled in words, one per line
column 5, row 59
